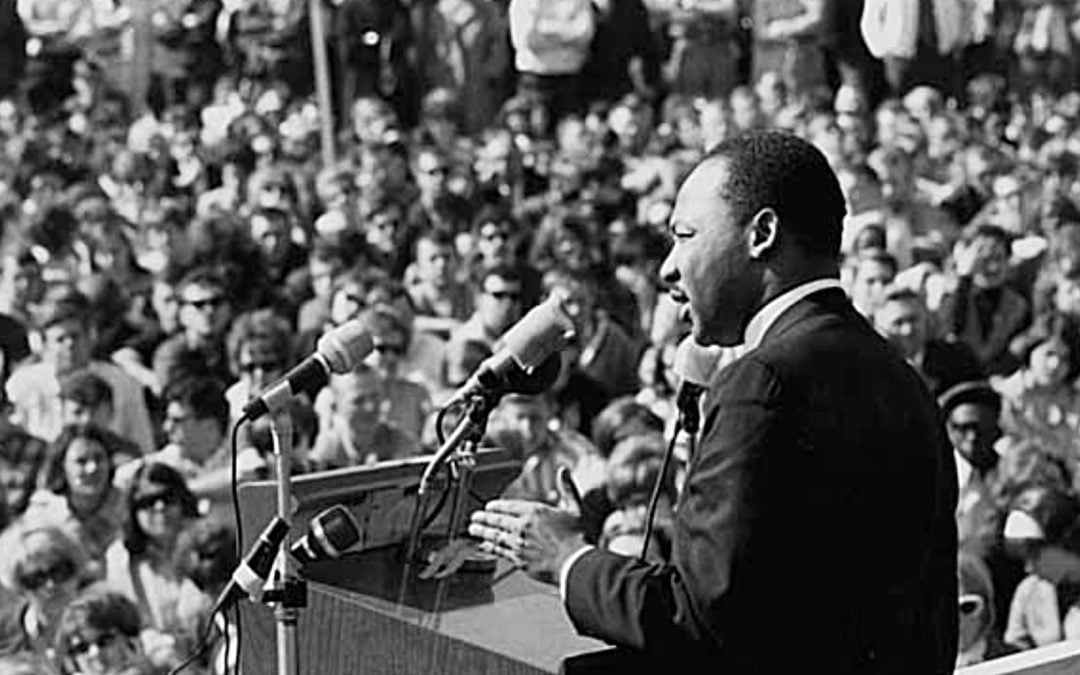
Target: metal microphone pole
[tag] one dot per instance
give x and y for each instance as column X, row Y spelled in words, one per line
column 290, row 592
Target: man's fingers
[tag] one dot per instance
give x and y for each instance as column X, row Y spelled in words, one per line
column 512, row 507
column 500, row 521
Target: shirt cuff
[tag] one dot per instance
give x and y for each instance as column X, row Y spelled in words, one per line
column 564, row 571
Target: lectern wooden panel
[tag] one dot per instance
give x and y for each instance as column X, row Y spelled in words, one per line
column 370, row 612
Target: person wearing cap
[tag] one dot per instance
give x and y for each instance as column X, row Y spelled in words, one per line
column 971, row 411
column 1043, row 523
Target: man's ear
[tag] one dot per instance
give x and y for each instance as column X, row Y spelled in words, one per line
column 763, row 233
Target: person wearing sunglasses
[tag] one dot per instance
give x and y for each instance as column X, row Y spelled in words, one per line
column 199, row 346
column 260, row 349
column 41, row 565
column 498, row 305
column 99, row 635
column 409, row 404
column 1043, row 527
column 141, row 564
column 979, row 640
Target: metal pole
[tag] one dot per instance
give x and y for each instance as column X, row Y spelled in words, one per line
column 281, row 428
column 322, row 81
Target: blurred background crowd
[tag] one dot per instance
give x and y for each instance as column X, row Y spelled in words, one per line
column 174, row 239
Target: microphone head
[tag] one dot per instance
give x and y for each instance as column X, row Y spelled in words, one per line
column 329, row 535
column 540, row 379
column 695, row 363
column 545, row 329
column 345, row 346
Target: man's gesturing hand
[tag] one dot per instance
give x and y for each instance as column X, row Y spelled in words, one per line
column 534, row 536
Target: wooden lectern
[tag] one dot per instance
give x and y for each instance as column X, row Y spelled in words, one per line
column 372, row 612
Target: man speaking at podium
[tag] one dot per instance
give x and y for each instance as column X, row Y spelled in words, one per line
column 815, row 531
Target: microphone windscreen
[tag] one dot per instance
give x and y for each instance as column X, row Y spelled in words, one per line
column 695, row 363
column 345, row 346
column 545, row 329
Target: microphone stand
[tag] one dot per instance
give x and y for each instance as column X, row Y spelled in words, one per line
column 459, row 449
column 289, row 594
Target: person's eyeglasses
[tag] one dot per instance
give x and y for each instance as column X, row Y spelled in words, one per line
column 496, row 236
column 505, row 295
column 151, row 501
column 965, row 428
column 265, row 366
column 206, row 303
column 78, row 646
column 970, row 604
column 389, row 348
column 435, row 171
column 57, row 573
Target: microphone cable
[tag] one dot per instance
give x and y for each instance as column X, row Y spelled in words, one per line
column 683, row 422
column 234, row 490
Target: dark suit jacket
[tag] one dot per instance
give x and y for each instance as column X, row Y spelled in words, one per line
column 948, row 363
column 815, row 531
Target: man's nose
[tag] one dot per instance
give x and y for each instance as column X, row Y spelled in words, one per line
column 669, row 274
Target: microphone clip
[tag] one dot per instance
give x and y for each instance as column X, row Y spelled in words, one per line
column 288, row 593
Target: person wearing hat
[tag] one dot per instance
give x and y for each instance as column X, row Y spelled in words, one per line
column 1043, row 524
column 971, row 411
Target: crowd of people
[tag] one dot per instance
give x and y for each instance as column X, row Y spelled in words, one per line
column 172, row 243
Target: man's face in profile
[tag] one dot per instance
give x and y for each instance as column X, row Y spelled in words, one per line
column 709, row 269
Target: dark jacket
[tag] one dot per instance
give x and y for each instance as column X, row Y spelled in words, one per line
column 947, row 363
column 815, row 531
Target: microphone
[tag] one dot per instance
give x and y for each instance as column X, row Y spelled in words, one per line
column 694, row 366
column 524, row 363
column 248, row 579
column 329, row 535
column 338, row 351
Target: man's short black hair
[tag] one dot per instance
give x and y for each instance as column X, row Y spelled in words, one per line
column 779, row 170
column 203, row 396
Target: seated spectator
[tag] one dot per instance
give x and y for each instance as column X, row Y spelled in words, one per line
column 140, row 565
column 987, row 314
column 971, row 411
column 905, row 322
column 199, row 347
column 498, row 306
column 523, row 425
column 327, row 261
column 22, row 457
column 872, row 274
column 1042, row 525
column 99, row 634
column 601, row 363
column 1041, row 404
column 355, row 431
column 86, row 399
column 42, row 566
column 34, row 389
column 206, row 558
column 978, row 637
column 409, row 405
column 259, row 437
column 196, row 428
column 442, row 302
column 78, row 493
column 260, row 349
column 633, row 469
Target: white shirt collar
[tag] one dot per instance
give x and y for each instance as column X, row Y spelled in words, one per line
column 766, row 316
